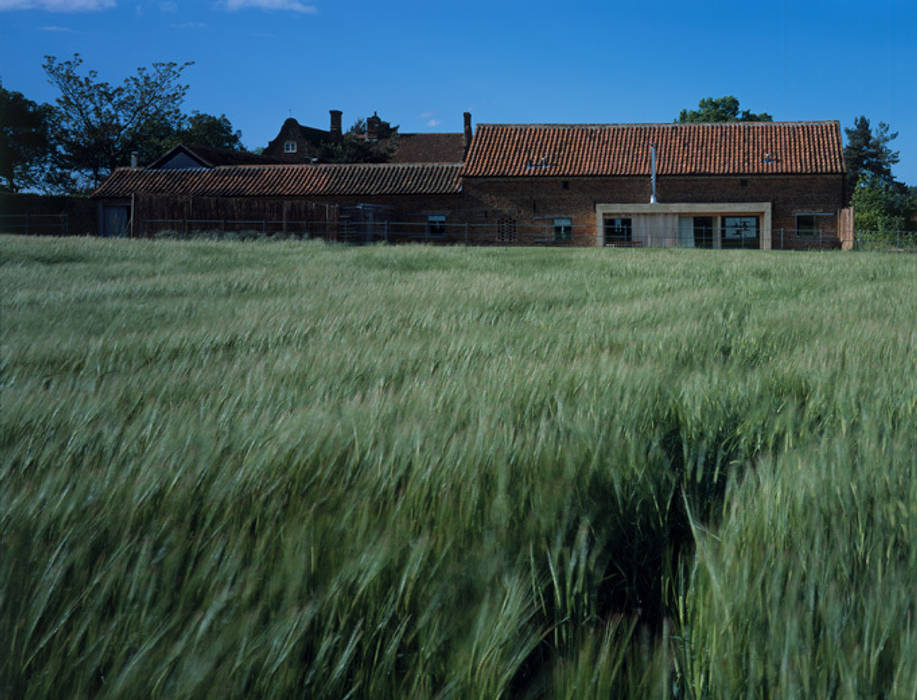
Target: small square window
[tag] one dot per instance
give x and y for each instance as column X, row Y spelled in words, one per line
column 289, row 147
column 506, row 230
column 436, row 225
column 806, row 225
column 563, row 229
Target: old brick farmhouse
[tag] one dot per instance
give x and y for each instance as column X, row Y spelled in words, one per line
column 300, row 144
column 731, row 185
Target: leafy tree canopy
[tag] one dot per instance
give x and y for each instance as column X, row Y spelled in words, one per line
column 879, row 205
column 209, row 130
column 355, row 147
column 97, row 125
column 24, row 142
column 197, row 129
column 721, row 109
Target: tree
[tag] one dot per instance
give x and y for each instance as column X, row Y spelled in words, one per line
column 355, row 147
column 721, row 109
column 24, row 144
column 869, row 154
column 880, row 202
column 199, row 129
column 879, row 205
column 208, row 130
column 98, row 125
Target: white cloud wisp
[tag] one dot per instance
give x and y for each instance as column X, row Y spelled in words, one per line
column 288, row 5
column 57, row 5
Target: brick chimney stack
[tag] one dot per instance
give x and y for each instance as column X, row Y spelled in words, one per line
column 335, row 124
column 373, row 125
column 467, row 139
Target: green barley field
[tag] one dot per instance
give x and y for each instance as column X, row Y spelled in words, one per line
column 286, row 469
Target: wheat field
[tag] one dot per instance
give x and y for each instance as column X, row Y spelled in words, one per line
column 286, row 469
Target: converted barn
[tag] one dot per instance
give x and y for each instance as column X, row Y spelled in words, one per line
column 733, row 185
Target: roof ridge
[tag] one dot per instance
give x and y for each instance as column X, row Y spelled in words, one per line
column 657, row 124
column 422, row 164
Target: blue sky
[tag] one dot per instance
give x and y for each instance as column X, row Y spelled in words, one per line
column 421, row 64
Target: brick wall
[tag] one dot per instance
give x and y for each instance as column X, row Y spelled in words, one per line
column 533, row 200
column 789, row 195
column 408, row 214
column 532, row 203
column 288, row 132
column 521, row 211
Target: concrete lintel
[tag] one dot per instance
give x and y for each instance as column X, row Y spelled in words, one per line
column 694, row 208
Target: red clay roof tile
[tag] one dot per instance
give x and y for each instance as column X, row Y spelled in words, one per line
column 736, row 148
column 301, row 180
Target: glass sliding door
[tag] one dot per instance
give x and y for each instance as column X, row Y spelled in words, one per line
column 740, row 232
column 618, row 230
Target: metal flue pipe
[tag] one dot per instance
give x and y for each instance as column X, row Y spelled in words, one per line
column 653, row 172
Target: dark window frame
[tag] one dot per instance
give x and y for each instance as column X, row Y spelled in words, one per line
column 807, row 231
column 436, row 225
column 743, row 240
column 563, row 229
column 617, row 229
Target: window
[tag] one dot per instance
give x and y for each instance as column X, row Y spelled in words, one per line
column 563, row 229
column 740, row 231
column 506, row 230
column 617, row 230
column 806, row 225
column 289, row 147
column 436, row 225
column 703, row 231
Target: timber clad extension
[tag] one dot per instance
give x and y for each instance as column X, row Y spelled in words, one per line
column 409, row 192
column 744, row 184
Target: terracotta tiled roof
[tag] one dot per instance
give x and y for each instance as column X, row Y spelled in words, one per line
column 430, row 148
column 287, row 180
column 737, row 148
